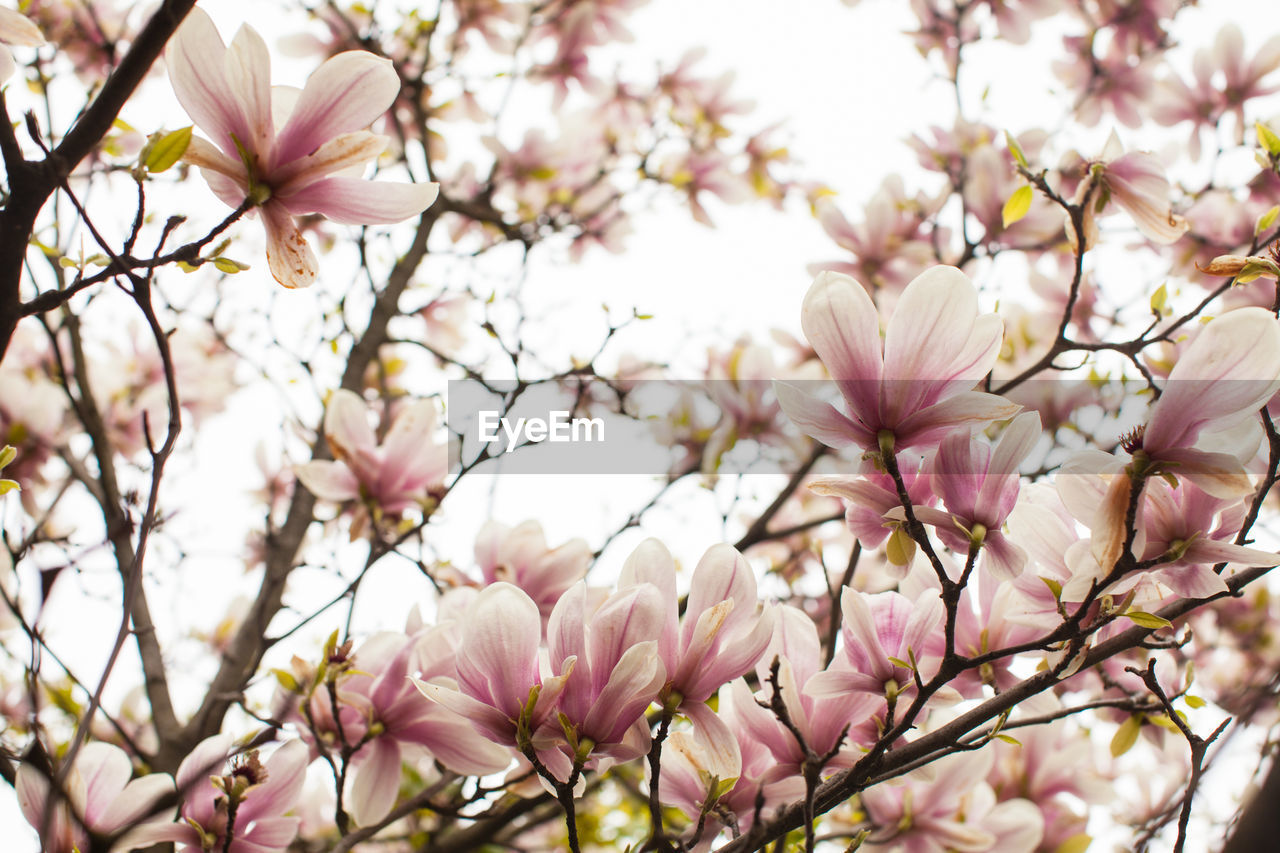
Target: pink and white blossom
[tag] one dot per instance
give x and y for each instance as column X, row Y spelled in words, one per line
column 288, row 153
column 915, row 387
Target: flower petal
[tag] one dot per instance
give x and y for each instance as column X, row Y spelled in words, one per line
column 354, row 201
column 346, row 93
column 290, row 259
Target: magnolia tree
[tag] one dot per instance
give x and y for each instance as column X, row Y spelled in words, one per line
column 1003, row 589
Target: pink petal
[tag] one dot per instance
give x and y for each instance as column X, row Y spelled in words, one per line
column 966, row 408
column 353, row 201
column 197, row 69
column 373, row 792
column 934, row 337
column 842, row 324
column 1227, row 373
column 821, row 420
column 350, row 151
column 329, row 481
column 346, row 93
column 248, row 70
column 632, row 686
column 492, row 723
column 498, row 658
column 721, row 575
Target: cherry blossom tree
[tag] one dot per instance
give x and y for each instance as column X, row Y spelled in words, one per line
column 1002, row 585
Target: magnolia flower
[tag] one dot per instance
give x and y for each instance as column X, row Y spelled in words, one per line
column 300, row 168
column 915, row 388
column 722, row 634
column 617, row 671
column 1136, row 182
column 948, row 806
column 821, row 720
column 887, row 640
column 101, row 797
column 15, row 29
column 520, row 556
column 384, row 718
column 499, row 687
column 978, row 485
column 1225, row 375
column 238, row 808
column 398, row 473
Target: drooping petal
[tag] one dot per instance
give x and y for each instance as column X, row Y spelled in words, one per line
column 373, row 791
column 290, row 259
column 353, row 201
column 346, row 93
column 966, row 408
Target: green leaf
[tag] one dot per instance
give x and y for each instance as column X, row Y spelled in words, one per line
column 1147, row 620
column 1009, row 739
column 1159, row 300
column 1267, row 219
column 168, row 150
column 1126, row 736
column 1017, row 205
column 7, row 454
column 1016, row 150
column 1054, row 586
column 1193, row 701
column 900, row 550
column 7, row 486
column 229, row 266
column 1268, row 139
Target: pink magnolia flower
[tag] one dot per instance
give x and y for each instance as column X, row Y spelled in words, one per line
column 948, row 807
column 915, row 388
column 15, row 29
column 499, row 686
column 978, row 485
column 300, row 168
column 381, row 712
column 618, row 672
column 519, row 555
column 722, row 767
column 821, row 720
column 404, row 470
column 722, row 633
column 883, row 634
column 1136, row 182
column 214, row 776
column 100, row 799
column 889, row 245
column 1227, row 373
